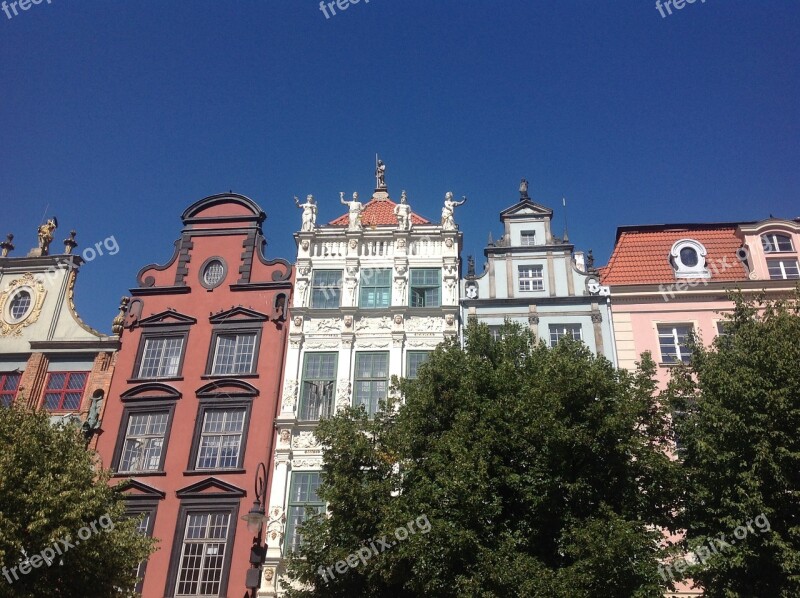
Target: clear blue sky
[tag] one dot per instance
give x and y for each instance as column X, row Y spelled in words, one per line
column 120, row 114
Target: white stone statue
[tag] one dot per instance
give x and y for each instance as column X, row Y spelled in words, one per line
column 309, row 213
column 355, row 208
column 448, row 211
column 403, row 213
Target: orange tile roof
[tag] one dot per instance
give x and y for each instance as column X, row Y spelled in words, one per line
column 378, row 212
column 642, row 256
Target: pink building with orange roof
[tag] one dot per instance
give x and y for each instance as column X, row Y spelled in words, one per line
column 667, row 280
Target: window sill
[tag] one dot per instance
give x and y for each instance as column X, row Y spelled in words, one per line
column 139, row 474
column 140, row 380
column 672, row 364
column 227, row 376
column 214, row 471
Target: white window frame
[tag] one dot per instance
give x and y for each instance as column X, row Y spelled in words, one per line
column 527, row 238
column 559, row 331
column 530, row 277
column 782, row 263
column 666, row 330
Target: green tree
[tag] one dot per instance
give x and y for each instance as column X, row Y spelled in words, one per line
column 739, row 445
column 51, row 494
column 541, row 472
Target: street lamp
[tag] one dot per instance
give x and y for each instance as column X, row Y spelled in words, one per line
column 255, row 518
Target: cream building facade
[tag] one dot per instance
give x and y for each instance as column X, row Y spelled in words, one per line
column 376, row 292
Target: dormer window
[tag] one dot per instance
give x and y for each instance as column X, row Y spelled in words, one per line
column 776, row 243
column 688, row 258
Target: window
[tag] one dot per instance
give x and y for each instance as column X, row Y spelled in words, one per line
column 371, row 380
column 64, row 390
column 221, row 439
column 9, row 383
column 674, row 342
column 530, row 278
column 496, row 333
column 212, row 272
column 414, row 359
column 376, row 289
column 234, row 354
column 724, row 327
column 783, row 269
column 161, row 357
column 326, row 289
column 319, row 383
column 528, row 238
column 425, row 283
column 145, row 517
column 774, row 242
column 202, row 558
column 688, row 258
column 20, row 305
column 559, row 331
column 143, row 447
column 303, row 503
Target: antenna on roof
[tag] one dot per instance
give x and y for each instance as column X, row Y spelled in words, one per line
column 566, row 234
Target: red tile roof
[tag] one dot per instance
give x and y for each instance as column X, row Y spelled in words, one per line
column 378, row 212
column 642, row 256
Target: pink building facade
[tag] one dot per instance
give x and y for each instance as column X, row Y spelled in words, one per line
column 667, row 281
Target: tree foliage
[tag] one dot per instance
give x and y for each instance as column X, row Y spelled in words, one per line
column 50, row 490
column 739, row 439
column 542, row 472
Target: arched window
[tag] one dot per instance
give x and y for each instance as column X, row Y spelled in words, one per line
column 776, row 243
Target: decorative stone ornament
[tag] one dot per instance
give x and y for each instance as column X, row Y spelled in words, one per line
column 9, row 325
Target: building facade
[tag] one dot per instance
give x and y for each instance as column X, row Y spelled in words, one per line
column 49, row 358
column 191, row 411
column 667, row 281
column 376, row 292
column 538, row 280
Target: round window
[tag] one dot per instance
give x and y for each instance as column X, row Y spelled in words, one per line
column 689, row 257
column 20, row 306
column 213, row 273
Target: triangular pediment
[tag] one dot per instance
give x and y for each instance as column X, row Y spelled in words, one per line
column 211, row 488
column 526, row 207
column 238, row 314
column 227, row 389
column 170, row 317
column 150, row 390
column 136, row 490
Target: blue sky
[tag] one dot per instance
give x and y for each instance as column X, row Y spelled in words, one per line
column 117, row 115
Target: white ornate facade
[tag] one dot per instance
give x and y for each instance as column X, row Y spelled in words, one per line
column 376, row 290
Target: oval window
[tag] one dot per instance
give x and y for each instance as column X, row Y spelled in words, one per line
column 20, row 305
column 689, row 257
column 214, row 273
